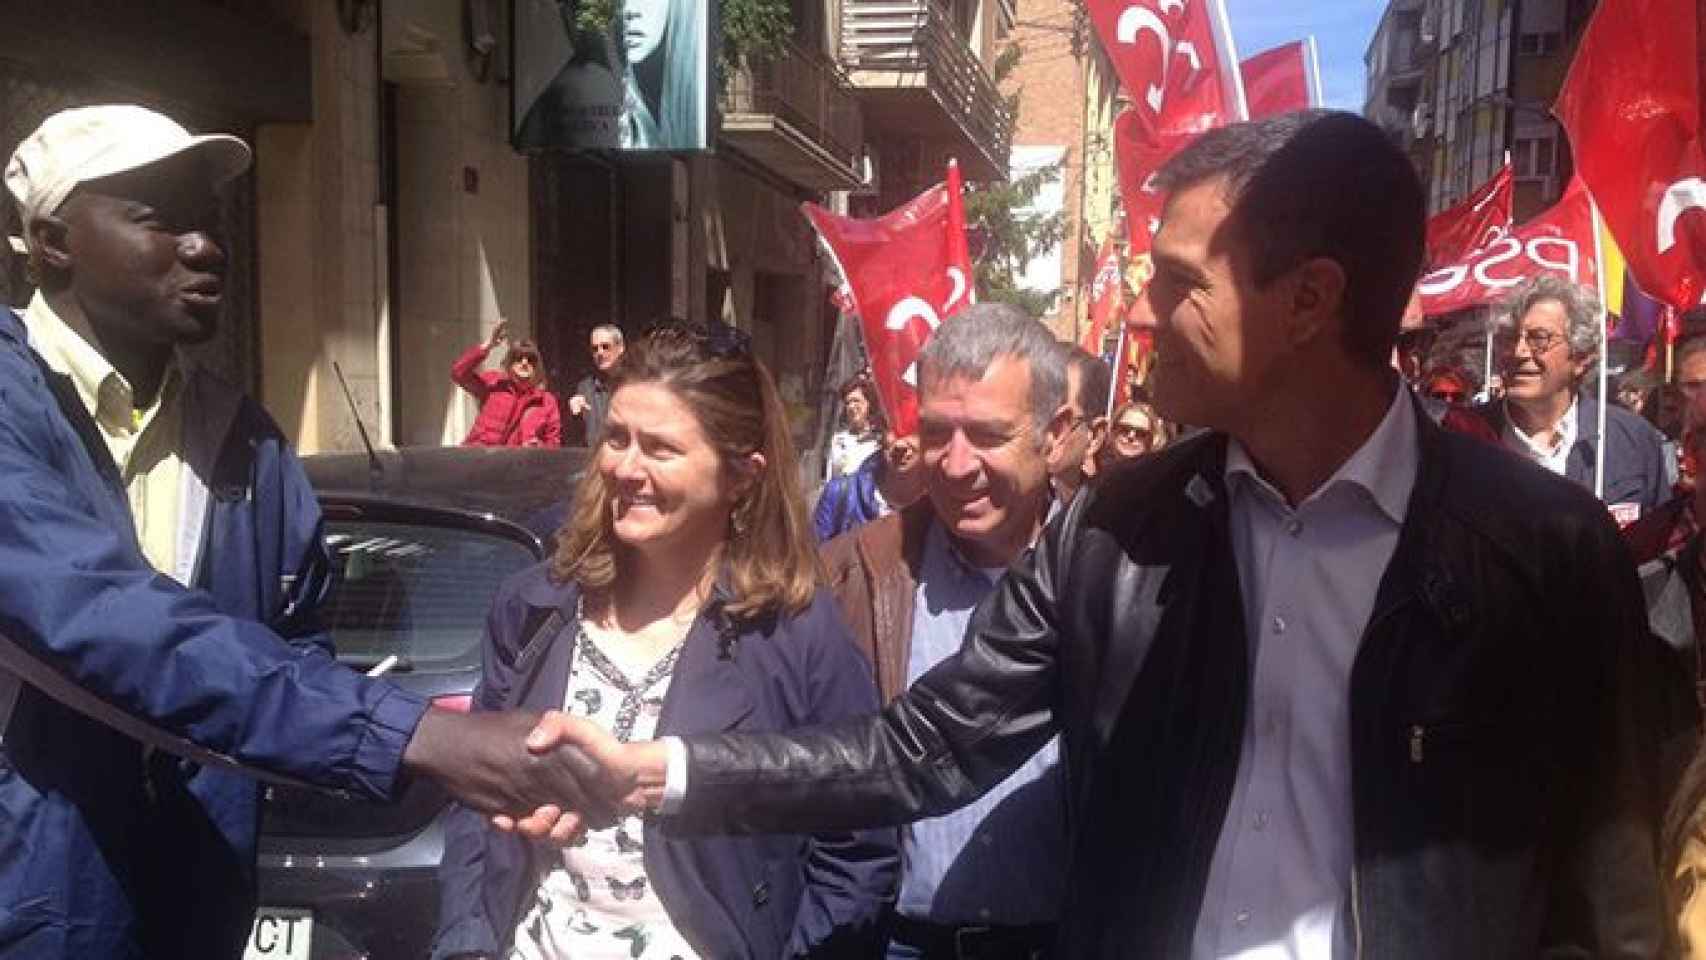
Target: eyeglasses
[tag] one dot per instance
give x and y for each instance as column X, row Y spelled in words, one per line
column 528, row 359
column 1448, row 396
column 1538, row 340
column 604, row 348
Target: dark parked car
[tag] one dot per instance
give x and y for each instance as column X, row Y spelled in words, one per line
column 419, row 543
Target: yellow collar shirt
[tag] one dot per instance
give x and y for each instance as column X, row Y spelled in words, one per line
column 146, row 445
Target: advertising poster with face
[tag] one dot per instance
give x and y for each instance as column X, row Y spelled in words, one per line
column 641, row 84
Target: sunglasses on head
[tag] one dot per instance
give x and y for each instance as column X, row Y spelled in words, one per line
column 716, row 341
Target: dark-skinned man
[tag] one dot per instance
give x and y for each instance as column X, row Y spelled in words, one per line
column 160, row 565
column 1329, row 681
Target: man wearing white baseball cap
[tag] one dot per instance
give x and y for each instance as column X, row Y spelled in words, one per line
column 160, row 565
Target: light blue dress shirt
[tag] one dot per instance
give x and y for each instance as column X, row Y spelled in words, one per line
column 1279, row 885
column 1002, row 859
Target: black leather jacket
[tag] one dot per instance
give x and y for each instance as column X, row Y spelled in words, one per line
column 1505, row 795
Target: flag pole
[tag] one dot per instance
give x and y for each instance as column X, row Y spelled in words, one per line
column 1604, row 334
column 1119, row 372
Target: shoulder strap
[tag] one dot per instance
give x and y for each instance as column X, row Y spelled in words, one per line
column 542, row 627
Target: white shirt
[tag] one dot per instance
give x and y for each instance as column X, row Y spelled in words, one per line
column 1279, row 884
column 1553, row 457
column 597, row 902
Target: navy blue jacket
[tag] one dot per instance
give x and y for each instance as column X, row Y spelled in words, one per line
column 108, row 850
column 1634, row 453
column 849, row 501
column 759, row 897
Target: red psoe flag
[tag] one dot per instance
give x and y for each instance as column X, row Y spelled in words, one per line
column 1176, row 59
column 1107, row 296
column 1632, row 106
column 1282, row 80
column 1481, row 218
column 1198, row 87
column 1562, row 241
column 907, row 271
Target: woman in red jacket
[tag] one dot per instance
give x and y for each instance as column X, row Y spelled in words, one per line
column 516, row 409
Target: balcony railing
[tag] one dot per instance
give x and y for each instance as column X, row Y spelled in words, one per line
column 808, row 92
column 918, row 37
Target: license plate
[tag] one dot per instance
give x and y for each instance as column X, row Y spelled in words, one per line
column 280, row 933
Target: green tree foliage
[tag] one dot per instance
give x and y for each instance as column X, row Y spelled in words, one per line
column 1012, row 234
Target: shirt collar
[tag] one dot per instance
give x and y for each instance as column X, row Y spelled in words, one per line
column 1384, row 466
column 67, row 347
column 941, row 553
column 1523, row 443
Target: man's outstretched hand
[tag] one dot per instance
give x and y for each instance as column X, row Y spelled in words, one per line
column 483, row 761
column 629, row 778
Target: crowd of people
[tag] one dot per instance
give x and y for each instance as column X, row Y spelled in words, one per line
column 1289, row 656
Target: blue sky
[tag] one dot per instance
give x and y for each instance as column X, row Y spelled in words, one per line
column 1342, row 29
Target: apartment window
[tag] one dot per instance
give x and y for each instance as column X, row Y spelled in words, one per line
column 1539, row 44
column 1535, row 156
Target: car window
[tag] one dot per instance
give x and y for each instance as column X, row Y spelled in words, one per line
column 420, row 593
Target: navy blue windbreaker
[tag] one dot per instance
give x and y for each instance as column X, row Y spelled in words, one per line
column 108, row 849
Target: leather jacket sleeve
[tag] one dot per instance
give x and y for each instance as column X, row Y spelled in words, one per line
column 955, row 734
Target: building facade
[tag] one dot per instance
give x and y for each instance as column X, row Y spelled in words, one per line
column 1459, row 83
column 388, row 224
column 1066, row 95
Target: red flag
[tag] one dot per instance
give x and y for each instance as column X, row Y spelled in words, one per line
column 907, row 270
column 1175, row 99
column 1283, row 79
column 1632, row 104
column 1562, row 241
column 1483, row 217
column 1107, row 295
column 1176, row 59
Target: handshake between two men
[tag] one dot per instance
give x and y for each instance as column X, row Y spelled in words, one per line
column 566, row 776
column 540, row 774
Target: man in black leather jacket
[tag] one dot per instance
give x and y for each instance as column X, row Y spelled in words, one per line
column 1464, row 724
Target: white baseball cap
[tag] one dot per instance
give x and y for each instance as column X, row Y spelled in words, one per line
column 88, row 143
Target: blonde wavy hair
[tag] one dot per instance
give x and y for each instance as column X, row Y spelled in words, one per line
column 769, row 556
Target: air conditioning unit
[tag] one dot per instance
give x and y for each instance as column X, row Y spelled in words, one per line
column 1421, row 120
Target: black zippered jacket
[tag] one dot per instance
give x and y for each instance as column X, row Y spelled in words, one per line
column 1503, row 703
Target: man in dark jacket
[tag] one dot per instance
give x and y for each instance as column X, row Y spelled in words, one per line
column 160, row 564
column 1330, row 681
column 1548, row 340
column 591, row 399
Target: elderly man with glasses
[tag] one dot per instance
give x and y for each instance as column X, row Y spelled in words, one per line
column 591, row 398
column 1547, row 339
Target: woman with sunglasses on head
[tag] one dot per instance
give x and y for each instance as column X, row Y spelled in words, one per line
column 683, row 597
column 516, row 408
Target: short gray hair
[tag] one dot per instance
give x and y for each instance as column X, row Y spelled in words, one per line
column 610, row 328
column 968, row 343
column 1582, row 311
